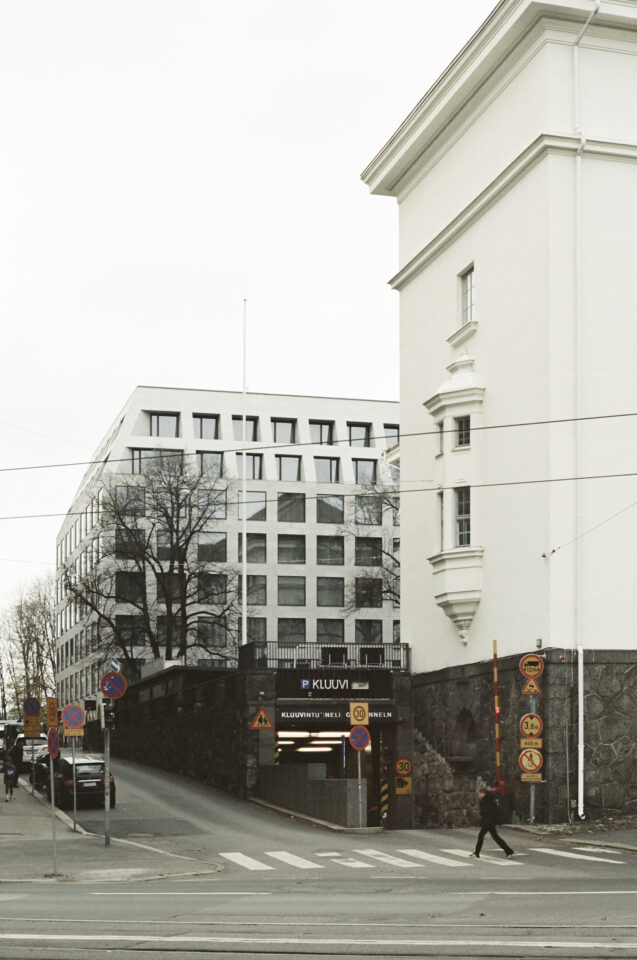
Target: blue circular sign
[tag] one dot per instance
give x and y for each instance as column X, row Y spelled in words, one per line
column 31, row 706
column 73, row 715
column 113, row 685
column 359, row 737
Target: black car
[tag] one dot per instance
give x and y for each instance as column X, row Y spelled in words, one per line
column 39, row 772
column 89, row 780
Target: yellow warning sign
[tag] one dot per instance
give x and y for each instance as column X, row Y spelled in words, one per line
column 403, row 785
column 262, row 721
column 531, row 686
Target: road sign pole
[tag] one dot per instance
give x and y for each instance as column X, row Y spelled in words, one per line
column 360, row 791
column 52, row 781
column 107, row 787
column 532, row 785
column 74, row 785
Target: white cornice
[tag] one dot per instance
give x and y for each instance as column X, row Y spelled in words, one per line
column 540, row 148
column 505, row 27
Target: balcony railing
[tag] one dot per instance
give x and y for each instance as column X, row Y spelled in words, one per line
column 310, row 656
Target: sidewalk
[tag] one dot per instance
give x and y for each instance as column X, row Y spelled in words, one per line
column 26, row 849
column 618, row 833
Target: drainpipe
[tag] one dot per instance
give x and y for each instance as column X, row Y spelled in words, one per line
column 578, row 412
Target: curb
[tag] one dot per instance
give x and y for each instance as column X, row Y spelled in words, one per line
column 572, row 839
column 335, row 827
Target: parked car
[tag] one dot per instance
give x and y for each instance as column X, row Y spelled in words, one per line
column 89, row 779
column 24, row 750
column 39, row 772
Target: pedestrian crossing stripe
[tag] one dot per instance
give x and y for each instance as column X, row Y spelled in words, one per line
column 574, row 856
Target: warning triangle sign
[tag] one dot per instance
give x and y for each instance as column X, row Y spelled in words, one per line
column 262, row 721
column 531, row 686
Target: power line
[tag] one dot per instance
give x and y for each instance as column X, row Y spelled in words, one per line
column 258, row 447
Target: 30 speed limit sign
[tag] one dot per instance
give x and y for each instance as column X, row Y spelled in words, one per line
column 403, row 766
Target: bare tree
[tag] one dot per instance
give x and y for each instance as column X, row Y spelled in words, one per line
column 155, row 579
column 376, row 556
column 28, row 646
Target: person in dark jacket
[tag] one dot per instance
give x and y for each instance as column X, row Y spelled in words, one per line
column 10, row 777
column 488, row 821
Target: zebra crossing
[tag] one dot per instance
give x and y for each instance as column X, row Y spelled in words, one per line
column 416, row 858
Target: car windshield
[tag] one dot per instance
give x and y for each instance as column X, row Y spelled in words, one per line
column 34, row 742
column 89, row 769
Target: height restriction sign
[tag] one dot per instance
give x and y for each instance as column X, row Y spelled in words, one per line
column 531, row 725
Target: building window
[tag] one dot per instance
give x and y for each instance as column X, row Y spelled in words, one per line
column 327, row 469
column 396, row 631
column 368, row 510
column 392, row 434
column 369, row 631
column 166, row 462
column 212, row 547
column 364, row 471
column 291, row 507
column 463, row 516
column 322, row 431
column 330, row 631
column 164, row 424
column 255, row 503
column 467, row 297
column 256, row 548
column 257, row 590
column 463, row 431
column 290, row 631
column 330, row 591
column 171, row 503
column 441, row 437
column 130, row 629
column 395, row 502
column 288, row 468
column 368, row 591
column 213, row 504
column 359, row 434
column 129, row 544
column 257, row 628
column 205, row 426
column 170, row 587
column 212, row 632
column 368, row 551
column 141, row 460
column 283, row 431
column 129, row 501
column 251, row 428
column 330, row 509
column 441, row 518
column 209, row 464
column 254, row 465
column 330, row 550
column 129, row 587
column 291, row 591
column 212, row 588
column 291, row 548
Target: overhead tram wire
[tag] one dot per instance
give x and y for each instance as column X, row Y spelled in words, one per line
column 258, row 447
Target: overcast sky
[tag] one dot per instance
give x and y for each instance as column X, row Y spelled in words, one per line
column 161, row 161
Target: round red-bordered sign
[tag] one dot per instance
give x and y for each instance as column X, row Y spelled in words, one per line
column 531, row 725
column 403, row 766
column 531, row 665
column 359, row 737
column 53, row 743
column 113, row 685
column 73, row 716
column 531, row 760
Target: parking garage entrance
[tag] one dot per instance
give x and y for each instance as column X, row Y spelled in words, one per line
column 313, row 724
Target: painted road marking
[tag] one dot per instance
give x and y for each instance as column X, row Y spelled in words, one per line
column 388, row 858
column 433, row 858
column 346, row 861
column 574, row 856
column 248, row 862
column 292, row 860
column 500, row 861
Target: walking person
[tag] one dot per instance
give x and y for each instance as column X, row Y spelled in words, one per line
column 488, row 821
column 9, row 778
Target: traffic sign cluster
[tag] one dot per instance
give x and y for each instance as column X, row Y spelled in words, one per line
column 531, row 759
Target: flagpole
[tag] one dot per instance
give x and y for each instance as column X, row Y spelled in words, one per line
column 244, row 498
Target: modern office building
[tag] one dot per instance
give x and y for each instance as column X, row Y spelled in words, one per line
column 516, row 181
column 318, row 540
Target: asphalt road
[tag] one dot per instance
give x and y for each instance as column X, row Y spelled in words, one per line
column 262, row 885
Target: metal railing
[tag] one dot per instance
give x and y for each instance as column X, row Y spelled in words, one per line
column 309, row 656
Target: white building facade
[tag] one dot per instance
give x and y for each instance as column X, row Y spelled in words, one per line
column 313, row 534
column 516, row 181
